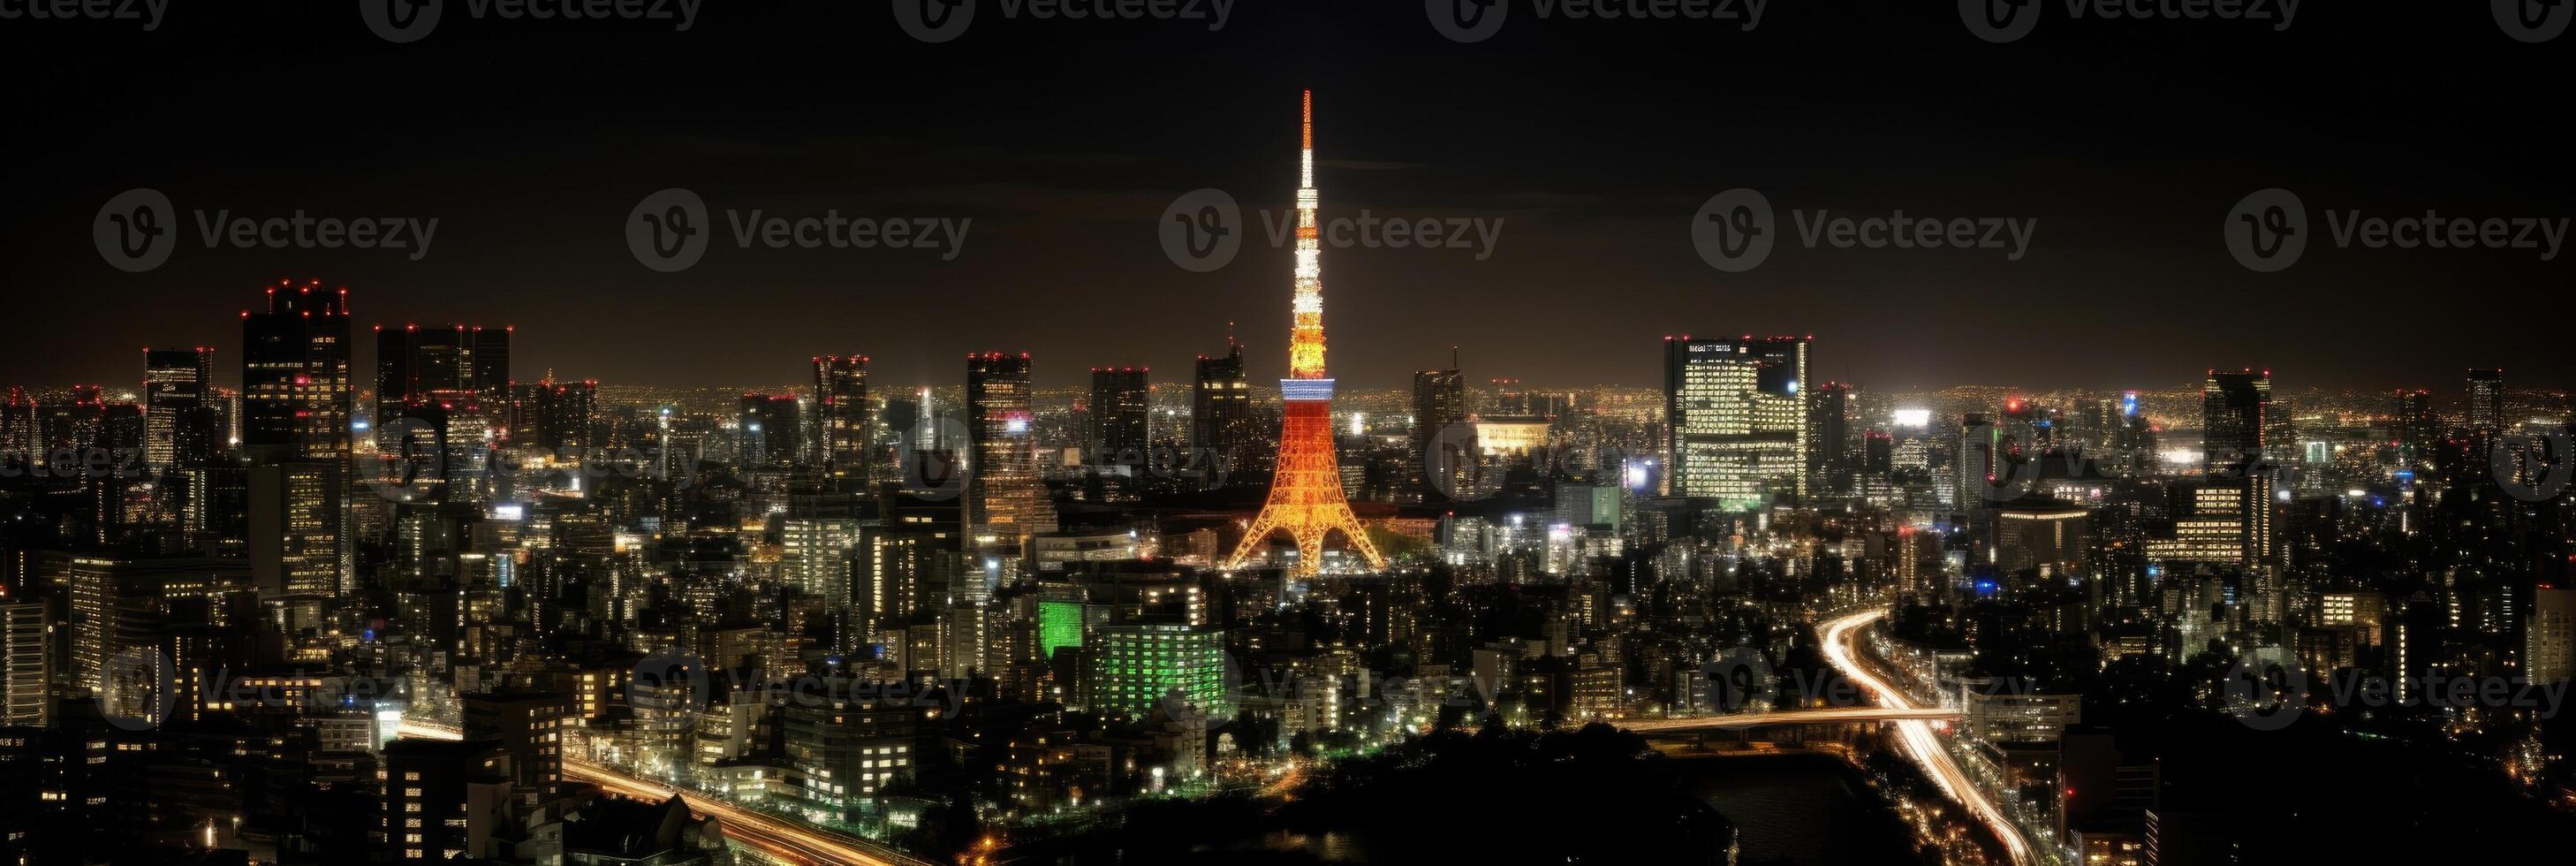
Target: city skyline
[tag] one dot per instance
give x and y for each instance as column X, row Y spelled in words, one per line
column 2001, row 433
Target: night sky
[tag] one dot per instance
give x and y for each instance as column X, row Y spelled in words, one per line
column 1595, row 142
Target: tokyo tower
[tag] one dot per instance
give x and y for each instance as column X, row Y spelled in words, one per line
column 1306, row 498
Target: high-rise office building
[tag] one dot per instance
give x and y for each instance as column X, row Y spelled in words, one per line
column 1136, row 667
column 441, row 797
column 26, row 664
column 767, row 428
column 1008, row 497
column 2237, row 419
column 296, row 527
column 295, row 427
column 19, row 436
column 2486, row 400
column 1222, row 427
column 1121, row 416
column 1829, row 433
column 2419, row 426
column 529, row 727
column 295, row 375
column 178, row 425
column 1736, row 419
column 1439, row 403
column 454, row 362
column 844, row 427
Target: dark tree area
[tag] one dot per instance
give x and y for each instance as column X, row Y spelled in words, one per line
column 1594, row 795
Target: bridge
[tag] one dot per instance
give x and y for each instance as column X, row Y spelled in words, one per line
column 1743, row 721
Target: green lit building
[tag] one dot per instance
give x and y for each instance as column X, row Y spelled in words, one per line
column 1133, row 666
column 1059, row 625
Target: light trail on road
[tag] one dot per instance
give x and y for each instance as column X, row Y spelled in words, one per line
column 1787, row 717
column 780, row 837
column 1839, row 634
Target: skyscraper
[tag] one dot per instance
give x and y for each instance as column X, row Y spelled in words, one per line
column 1221, row 423
column 1008, row 497
column 455, row 362
column 2486, row 399
column 295, row 417
column 1121, row 416
column 295, row 374
column 178, row 426
column 766, row 430
column 1439, row 401
column 1307, row 499
column 2236, row 419
column 843, row 420
column 1736, row 419
column 1829, row 436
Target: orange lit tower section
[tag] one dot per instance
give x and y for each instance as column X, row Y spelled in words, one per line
column 1306, row 499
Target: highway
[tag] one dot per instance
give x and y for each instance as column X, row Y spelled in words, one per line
column 778, row 837
column 1840, row 635
column 1741, row 721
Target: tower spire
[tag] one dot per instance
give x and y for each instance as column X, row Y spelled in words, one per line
column 1306, row 497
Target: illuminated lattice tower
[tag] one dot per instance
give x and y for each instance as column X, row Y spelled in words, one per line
column 1306, row 499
